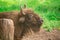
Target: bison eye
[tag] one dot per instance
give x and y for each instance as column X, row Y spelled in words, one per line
column 30, row 16
column 22, row 19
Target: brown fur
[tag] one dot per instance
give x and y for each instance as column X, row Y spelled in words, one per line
column 23, row 22
column 6, row 29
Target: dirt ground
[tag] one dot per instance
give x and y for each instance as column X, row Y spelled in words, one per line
column 44, row 35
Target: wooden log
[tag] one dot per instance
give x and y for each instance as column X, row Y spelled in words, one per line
column 6, row 29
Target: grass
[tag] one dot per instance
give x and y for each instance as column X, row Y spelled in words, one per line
column 48, row 10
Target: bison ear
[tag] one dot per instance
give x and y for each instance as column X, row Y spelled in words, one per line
column 22, row 20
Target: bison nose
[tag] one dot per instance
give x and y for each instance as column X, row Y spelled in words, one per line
column 41, row 20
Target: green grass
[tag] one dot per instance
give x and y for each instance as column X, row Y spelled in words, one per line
column 48, row 10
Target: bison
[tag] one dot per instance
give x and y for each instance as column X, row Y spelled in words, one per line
column 24, row 21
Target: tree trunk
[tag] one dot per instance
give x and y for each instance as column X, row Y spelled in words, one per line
column 6, row 29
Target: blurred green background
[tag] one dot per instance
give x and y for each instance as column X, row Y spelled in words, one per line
column 48, row 10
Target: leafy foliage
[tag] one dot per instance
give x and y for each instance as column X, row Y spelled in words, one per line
column 49, row 10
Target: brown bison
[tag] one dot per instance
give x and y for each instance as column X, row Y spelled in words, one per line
column 24, row 21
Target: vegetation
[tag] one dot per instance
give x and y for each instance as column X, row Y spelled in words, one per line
column 49, row 10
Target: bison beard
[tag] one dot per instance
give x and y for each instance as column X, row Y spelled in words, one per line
column 24, row 21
